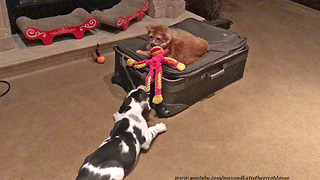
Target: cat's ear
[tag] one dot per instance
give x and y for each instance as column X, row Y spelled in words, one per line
column 149, row 28
column 169, row 38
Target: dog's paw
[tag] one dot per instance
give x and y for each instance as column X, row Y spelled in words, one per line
column 116, row 116
column 160, row 127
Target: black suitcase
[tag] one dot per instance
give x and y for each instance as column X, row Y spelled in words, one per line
column 221, row 66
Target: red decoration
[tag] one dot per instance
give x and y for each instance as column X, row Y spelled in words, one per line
column 139, row 14
column 47, row 36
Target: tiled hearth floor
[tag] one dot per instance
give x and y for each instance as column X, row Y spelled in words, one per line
column 29, row 56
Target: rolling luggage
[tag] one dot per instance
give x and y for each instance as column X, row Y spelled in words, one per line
column 221, row 66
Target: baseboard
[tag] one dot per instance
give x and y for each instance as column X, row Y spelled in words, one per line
column 315, row 4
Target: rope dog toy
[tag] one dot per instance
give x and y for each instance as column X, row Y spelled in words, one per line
column 155, row 66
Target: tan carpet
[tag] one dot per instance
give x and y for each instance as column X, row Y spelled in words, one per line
column 266, row 124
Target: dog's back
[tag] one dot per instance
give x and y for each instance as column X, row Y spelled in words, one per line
column 112, row 160
column 89, row 172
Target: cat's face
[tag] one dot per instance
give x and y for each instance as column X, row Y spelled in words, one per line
column 159, row 36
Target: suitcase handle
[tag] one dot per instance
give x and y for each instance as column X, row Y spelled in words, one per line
column 215, row 75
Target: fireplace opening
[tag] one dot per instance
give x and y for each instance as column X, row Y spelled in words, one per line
column 36, row 9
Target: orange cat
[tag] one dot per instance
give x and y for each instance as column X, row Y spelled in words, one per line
column 182, row 45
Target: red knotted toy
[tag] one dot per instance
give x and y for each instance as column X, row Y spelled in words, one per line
column 155, row 66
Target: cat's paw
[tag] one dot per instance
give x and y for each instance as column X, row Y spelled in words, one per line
column 139, row 52
column 145, row 53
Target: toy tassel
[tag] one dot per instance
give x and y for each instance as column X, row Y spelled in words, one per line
column 97, row 57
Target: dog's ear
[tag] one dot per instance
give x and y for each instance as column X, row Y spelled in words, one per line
column 125, row 105
column 143, row 96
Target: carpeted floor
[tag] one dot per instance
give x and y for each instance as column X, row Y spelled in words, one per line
column 266, row 124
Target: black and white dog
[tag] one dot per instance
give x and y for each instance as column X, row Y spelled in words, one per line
column 117, row 155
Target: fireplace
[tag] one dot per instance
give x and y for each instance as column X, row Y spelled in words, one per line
column 209, row 9
column 36, row 9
